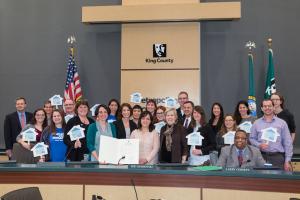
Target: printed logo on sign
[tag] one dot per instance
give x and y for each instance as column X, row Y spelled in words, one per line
column 159, row 50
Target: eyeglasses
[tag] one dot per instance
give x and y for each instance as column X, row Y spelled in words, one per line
column 159, row 113
column 40, row 115
column 275, row 99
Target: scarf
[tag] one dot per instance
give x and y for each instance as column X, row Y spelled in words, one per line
column 168, row 134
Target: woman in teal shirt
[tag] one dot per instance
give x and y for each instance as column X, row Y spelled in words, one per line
column 100, row 127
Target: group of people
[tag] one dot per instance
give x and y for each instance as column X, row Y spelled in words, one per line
column 162, row 132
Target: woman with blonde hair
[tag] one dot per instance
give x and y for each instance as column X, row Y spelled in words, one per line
column 173, row 142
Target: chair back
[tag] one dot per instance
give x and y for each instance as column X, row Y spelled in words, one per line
column 30, row 193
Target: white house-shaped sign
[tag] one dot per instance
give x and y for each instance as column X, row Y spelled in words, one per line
column 29, row 135
column 159, row 125
column 229, row 137
column 136, row 97
column 269, row 134
column 170, row 102
column 76, row 133
column 93, row 109
column 40, row 149
column 195, row 139
column 56, row 100
column 246, row 126
column 68, row 117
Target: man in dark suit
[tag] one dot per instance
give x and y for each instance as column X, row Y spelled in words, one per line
column 188, row 109
column 14, row 123
column 182, row 98
column 240, row 154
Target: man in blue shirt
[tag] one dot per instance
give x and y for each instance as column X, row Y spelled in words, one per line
column 271, row 135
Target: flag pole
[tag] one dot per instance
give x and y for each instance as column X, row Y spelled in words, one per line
column 72, row 88
column 270, row 80
column 251, row 87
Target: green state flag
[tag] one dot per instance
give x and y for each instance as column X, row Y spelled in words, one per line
column 251, row 91
column 270, row 81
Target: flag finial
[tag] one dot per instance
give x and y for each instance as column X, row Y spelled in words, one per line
column 71, row 41
column 250, row 45
column 270, row 42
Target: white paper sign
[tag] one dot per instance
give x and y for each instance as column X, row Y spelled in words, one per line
column 68, row 117
column 195, row 139
column 246, row 126
column 269, row 134
column 170, row 102
column 118, row 151
column 159, row 125
column 229, row 137
column 40, row 149
column 56, row 100
column 29, row 135
column 136, row 97
column 93, row 109
column 76, row 132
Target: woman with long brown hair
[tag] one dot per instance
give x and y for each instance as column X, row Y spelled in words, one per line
column 53, row 137
column 199, row 155
column 228, row 125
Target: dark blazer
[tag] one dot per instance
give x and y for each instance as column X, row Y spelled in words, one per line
column 12, row 127
column 190, row 127
column 209, row 141
column 72, row 153
column 121, row 133
column 179, row 143
column 180, row 116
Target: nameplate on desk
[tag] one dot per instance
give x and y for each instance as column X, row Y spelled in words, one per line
column 141, row 166
column 237, row 169
column 172, row 165
column 50, row 164
column 113, row 166
column 82, row 163
column 27, row 165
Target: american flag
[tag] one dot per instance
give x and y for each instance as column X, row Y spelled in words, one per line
column 73, row 88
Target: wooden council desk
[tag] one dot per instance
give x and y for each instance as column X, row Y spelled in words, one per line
column 76, row 181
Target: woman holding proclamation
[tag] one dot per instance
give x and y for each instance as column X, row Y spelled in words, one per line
column 100, row 127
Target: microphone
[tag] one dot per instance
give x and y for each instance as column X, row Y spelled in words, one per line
column 123, row 157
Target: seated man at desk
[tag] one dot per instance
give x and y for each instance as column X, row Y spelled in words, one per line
column 240, row 154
